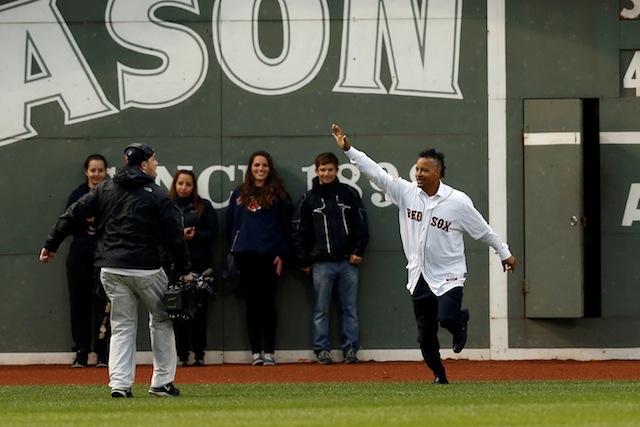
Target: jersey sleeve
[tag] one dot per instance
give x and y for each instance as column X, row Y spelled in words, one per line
column 393, row 187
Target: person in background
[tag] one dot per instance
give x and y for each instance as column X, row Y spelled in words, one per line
column 200, row 229
column 259, row 234
column 330, row 234
column 433, row 217
column 87, row 300
column 134, row 218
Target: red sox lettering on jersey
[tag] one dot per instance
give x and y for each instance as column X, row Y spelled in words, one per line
column 435, row 221
column 414, row 215
column 440, row 223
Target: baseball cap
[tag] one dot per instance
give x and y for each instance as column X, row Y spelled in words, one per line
column 137, row 152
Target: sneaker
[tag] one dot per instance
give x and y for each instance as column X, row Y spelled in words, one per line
column 441, row 377
column 460, row 339
column 102, row 363
column 184, row 362
column 81, row 359
column 350, row 355
column 198, row 362
column 269, row 360
column 257, row 360
column 168, row 390
column 121, row 393
column 324, row 357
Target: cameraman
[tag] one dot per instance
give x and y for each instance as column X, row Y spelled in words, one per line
column 134, row 218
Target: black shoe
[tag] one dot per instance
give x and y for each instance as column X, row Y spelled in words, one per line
column 184, row 362
column 168, row 390
column 441, row 377
column 350, row 355
column 460, row 339
column 103, row 361
column 324, row 357
column 198, row 362
column 81, row 360
column 121, row 393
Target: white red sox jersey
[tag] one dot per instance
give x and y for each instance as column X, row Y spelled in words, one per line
column 431, row 228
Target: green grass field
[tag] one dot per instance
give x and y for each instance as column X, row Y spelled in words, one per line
column 549, row 403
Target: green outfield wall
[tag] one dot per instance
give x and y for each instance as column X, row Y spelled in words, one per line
column 535, row 104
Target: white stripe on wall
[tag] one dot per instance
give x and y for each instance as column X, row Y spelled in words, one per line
column 217, row 357
column 571, row 138
column 619, row 137
column 552, row 138
column 497, row 168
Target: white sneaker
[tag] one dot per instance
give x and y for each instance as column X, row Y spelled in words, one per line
column 269, row 360
column 257, row 360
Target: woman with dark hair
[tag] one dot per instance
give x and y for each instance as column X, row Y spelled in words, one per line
column 200, row 229
column 259, row 234
column 87, row 300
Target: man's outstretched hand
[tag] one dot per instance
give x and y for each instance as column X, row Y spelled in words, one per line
column 340, row 137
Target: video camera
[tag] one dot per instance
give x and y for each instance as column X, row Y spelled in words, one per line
column 183, row 300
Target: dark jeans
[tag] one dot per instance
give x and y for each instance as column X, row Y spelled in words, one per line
column 258, row 281
column 429, row 311
column 87, row 308
column 192, row 334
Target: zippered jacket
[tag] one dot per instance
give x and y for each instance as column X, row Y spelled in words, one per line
column 329, row 224
column 134, row 218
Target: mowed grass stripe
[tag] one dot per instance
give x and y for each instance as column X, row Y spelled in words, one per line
column 547, row 403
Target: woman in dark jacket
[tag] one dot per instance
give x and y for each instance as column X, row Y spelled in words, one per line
column 259, row 234
column 200, row 229
column 87, row 300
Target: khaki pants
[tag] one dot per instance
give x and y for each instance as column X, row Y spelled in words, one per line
column 125, row 293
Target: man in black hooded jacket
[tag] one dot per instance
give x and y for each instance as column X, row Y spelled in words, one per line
column 134, row 218
column 330, row 233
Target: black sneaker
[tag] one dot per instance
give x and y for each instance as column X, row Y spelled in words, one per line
column 103, row 362
column 81, row 359
column 198, row 362
column 168, row 390
column 350, row 355
column 257, row 359
column 121, row 393
column 324, row 357
column 460, row 339
column 441, row 377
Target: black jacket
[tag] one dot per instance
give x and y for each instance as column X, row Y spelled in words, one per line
column 84, row 240
column 134, row 218
column 200, row 247
column 329, row 224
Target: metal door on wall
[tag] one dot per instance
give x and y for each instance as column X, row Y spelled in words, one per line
column 553, row 197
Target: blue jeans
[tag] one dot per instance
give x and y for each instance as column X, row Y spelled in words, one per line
column 344, row 277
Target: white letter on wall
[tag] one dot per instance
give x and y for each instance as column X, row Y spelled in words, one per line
column 205, row 178
column 631, row 211
column 41, row 63
column 305, row 44
column 422, row 44
column 184, row 56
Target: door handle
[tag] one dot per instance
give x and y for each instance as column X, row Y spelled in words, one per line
column 573, row 221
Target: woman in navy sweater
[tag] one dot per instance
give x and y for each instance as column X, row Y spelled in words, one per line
column 259, row 234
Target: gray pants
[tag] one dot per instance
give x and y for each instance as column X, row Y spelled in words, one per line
column 125, row 292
